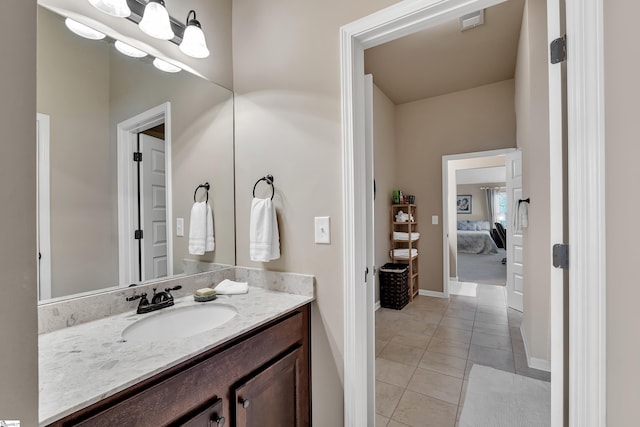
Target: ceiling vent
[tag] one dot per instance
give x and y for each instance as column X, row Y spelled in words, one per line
column 471, row 20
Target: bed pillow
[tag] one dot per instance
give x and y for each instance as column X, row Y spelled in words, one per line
column 483, row 226
column 466, row 225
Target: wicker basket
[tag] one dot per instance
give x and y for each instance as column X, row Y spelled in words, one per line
column 394, row 285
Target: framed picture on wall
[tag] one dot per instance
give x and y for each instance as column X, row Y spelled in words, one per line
column 464, row 204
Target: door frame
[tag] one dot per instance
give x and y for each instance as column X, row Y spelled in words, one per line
column 44, row 206
column 586, row 167
column 127, row 132
column 446, row 182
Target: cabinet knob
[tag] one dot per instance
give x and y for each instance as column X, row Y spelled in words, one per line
column 244, row 402
column 218, row 422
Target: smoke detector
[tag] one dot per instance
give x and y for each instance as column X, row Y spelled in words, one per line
column 471, row 20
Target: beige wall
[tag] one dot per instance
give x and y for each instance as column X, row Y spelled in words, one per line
column 214, row 15
column 18, row 322
column 73, row 90
column 532, row 113
column 622, row 90
column 473, row 120
column 478, row 202
column 384, row 139
column 288, row 115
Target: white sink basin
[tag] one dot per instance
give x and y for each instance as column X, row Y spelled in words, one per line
column 180, row 322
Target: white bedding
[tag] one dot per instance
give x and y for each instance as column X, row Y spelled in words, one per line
column 476, row 242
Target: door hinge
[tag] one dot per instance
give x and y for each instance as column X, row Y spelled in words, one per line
column 366, row 274
column 137, row 157
column 561, row 256
column 138, row 234
column 558, row 50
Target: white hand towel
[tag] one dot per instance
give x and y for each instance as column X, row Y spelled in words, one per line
column 210, row 243
column 201, row 229
column 522, row 216
column 229, row 287
column 264, row 239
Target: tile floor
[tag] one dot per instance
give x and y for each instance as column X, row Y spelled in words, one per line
column 425, row 351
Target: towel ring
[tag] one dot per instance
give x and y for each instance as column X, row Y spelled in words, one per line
column 269, row 180
column 206, row 186
column 527, row 200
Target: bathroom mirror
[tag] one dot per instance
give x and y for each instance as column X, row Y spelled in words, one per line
column 91, row 98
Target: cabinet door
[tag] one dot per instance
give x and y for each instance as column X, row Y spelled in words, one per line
column 209, row 415
column 272, row 397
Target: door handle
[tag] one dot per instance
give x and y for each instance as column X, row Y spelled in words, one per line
column 366, row 274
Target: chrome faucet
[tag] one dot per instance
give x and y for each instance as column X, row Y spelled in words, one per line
column 159, row 300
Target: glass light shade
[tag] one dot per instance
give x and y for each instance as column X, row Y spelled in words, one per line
column 155, row 21
column 118, row 8
column 193, row 42
column 82, row 30
column 165, row 66
column 127, row 49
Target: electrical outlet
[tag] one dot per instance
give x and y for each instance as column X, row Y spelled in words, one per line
column 434, row 220
column 180, row 227
column 323, row 229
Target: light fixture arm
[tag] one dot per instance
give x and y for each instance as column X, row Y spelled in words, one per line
column 193, row 21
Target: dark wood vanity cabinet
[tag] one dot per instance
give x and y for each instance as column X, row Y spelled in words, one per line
column 261, row 378
column 270, row 398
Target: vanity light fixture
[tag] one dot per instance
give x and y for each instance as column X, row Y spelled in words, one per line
column 193, row 41
column 165, row 66
column 82, row 30
column 155, row 21
column 127, row 49
column 118, row 8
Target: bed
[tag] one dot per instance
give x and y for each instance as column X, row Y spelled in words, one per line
column 474, row 238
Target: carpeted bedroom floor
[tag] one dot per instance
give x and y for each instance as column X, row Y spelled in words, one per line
column 487, row 269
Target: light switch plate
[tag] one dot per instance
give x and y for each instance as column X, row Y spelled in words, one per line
column 434, row 220
column 180, row 227
column 323, row 229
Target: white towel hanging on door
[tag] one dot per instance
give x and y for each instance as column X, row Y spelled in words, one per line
column 522, row 215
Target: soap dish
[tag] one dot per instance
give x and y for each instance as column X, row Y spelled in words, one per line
column 204, row 298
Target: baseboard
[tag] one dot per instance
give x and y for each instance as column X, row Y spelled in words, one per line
column 534, row 362
column 453, row 279
column 376, row 306
column 434, row 294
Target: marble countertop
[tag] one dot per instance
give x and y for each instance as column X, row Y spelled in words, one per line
column 83, row 364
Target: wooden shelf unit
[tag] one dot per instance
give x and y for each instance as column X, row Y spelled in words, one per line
column 409, row 227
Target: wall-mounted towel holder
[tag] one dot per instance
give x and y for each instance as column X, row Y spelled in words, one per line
column 527, row 200
column 206, row 186
column 269, row 180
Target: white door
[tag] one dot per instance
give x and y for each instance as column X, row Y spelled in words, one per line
column 153, row 207
column 515, row 276
column 370, row 277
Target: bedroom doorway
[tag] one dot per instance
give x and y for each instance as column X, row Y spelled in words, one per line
column 473, row 247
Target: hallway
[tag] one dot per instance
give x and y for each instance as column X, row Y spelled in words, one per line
column 424, row 354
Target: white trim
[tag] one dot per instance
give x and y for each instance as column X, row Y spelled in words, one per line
column 534, row 362
column 587, row 400
column 377, row 306
column 126, row 139
column 446, row 159
column 44, row 207
column 557, row 205
column 433, row 294
column 587, row 225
